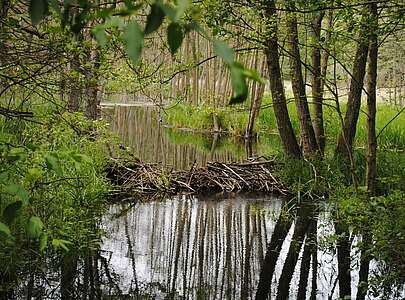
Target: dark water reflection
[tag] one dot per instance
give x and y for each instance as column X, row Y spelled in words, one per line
column 151, row 141
column 213, row 247
column 238, row 247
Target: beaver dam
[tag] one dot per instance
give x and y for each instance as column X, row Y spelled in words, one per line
column 148, row 179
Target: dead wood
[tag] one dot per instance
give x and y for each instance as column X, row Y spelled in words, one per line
column 144, row 179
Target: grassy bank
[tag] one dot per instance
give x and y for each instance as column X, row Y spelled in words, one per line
column 234, row 121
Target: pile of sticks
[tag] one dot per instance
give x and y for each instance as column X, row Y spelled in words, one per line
column 149, row 179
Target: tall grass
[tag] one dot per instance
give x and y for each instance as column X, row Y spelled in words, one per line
column 234, row 121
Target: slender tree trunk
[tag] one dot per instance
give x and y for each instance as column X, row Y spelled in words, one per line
column 92, row 99
column 254, row 110
column 75, row 89
column 3, row 52
column 317, row 90
column 284, row 126
column 325, row 52
column 371, row 104
column 346, row 137
column 308, row 139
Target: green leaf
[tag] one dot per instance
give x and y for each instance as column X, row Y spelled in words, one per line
column 34, row 227
column 254, row 75
column 239, row 86
column 10, row 212
column 38, row 9
column 133, row 36
column 61, row 244
column 100, row 35
column 155, row 19
column 53, row 163
column 81, row 158
column 16, row 153
column 5, row 230
column 33, row 175
column 224, row 51
column 43, row 242
column 115, row 22
column 19, row 191
column 175, row 36
column 180, row 9
column 168, row 10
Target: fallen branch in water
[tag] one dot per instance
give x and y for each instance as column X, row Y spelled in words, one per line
column 142, row 179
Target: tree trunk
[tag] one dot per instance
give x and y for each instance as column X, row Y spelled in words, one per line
column 254, row 111
column 92, row 99
column 5, row 4
column 284, row 126
column 346, row 137
column 317, row 89
column 371, row 104
column 75, row 89
column 308, row 139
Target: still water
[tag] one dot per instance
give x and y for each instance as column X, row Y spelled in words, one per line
column 223, row 246
column 144, row 131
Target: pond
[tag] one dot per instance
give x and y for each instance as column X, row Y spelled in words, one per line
column 143, row 129
column 218, row 246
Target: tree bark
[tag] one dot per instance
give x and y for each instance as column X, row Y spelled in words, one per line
column 371, row 104
column 91, row 74
column 284, row 126
column 348, row 132
column 254, row 111
column 5, row 4
column 308, row 139
column 317, row 89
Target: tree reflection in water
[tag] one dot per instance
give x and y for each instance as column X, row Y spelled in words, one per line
column 236, row 248
column 216, row 247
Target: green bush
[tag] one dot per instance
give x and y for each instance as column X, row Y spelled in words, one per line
column 53, row 188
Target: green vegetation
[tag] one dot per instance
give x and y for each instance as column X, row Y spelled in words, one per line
column 234, row 120
column 53, row 190
column 53, row 152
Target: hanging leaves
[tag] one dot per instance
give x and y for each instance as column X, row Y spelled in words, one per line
column 155, row 19
column 100, row 35
column 224, row 51
column 133, row 36
column 11, row 211
column 238, row 72
column 239, row 85
column 61, row 244
column 19, row 191
column 43, row 242
column 38, row 10
column 175, row 36
column 4, row 230
column 180, row 9
column 34, row 227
